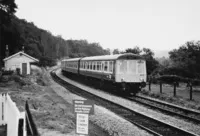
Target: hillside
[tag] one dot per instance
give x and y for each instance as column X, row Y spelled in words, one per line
column 41, row 43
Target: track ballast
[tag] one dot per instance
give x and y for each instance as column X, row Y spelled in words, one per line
column 151, row 125
column 170, row 109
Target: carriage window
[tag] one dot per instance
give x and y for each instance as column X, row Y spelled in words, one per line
column 90, row 65
column 94, row 65
column 111, row 66
column 102, row 65
column 98, row 65
column 106, row 66
column 85, row 65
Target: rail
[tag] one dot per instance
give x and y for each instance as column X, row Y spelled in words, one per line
column 153, row 126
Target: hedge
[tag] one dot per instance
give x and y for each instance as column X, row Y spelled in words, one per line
column 170, row 79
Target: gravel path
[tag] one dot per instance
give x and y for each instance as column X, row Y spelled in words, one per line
column 136, row 107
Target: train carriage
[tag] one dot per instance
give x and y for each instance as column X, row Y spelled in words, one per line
column 125, row 72
column 70, row 65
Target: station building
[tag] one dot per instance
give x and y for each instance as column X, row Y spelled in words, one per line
column 21, row 61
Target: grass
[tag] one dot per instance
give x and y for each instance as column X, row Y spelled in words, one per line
column 182, row 95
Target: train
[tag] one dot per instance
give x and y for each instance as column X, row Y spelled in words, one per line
column 124, row 72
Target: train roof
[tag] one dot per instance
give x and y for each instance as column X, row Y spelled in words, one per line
column 113, row 57
column 73, row 59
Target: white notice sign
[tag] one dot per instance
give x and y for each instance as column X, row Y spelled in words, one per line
column 82, row 123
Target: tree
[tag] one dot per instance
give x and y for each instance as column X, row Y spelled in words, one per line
column 7, row 9
column 135, row 50
column 116, row 51
column 8, row 6
column 187, row 59
column 151, row 62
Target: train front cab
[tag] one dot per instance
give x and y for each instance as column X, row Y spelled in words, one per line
column 131, row 74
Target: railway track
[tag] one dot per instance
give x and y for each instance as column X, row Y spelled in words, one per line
column 149, row 124
column 189, row 115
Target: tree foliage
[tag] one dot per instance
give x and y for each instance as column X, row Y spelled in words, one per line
column 116, row 51
column 42, row 44
column 187, row 59
column 135, row 50
column 7, row 9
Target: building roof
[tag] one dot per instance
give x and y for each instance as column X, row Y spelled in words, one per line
column 73, row 59
column 21, row 52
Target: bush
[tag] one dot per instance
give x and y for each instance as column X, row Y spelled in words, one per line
column 170, row 79
column 7, row 72
column 19, row 80
column 46, row 61
column 195, row 82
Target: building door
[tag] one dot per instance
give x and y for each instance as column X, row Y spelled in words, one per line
column 24, row 68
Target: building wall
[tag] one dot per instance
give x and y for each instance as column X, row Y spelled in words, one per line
column 16, row 62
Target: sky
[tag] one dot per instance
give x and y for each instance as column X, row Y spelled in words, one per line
column 155, row 24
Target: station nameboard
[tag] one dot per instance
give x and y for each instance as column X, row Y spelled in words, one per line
column 83, row 107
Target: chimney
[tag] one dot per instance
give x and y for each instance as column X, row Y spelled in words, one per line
column 22, row 48
column 7, row 51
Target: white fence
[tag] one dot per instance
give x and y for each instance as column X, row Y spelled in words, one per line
column 10, row 115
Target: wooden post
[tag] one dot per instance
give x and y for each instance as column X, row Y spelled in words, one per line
column 1, row 57
column 160, row 87
column 190, row 91
column 174, row 89
column 149, row 85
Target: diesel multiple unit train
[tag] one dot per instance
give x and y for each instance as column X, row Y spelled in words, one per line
column 125, row 72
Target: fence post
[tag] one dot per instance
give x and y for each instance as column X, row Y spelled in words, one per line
column 174, row 89
column 160, row 87
column 150, row 85
column 190, row 91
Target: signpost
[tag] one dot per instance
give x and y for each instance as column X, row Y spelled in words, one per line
column 82, row 109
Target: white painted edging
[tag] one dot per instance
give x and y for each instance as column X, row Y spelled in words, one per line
column 10, row 115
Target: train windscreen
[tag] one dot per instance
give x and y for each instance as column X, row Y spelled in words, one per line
column 132, row 67
column 136, row 67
